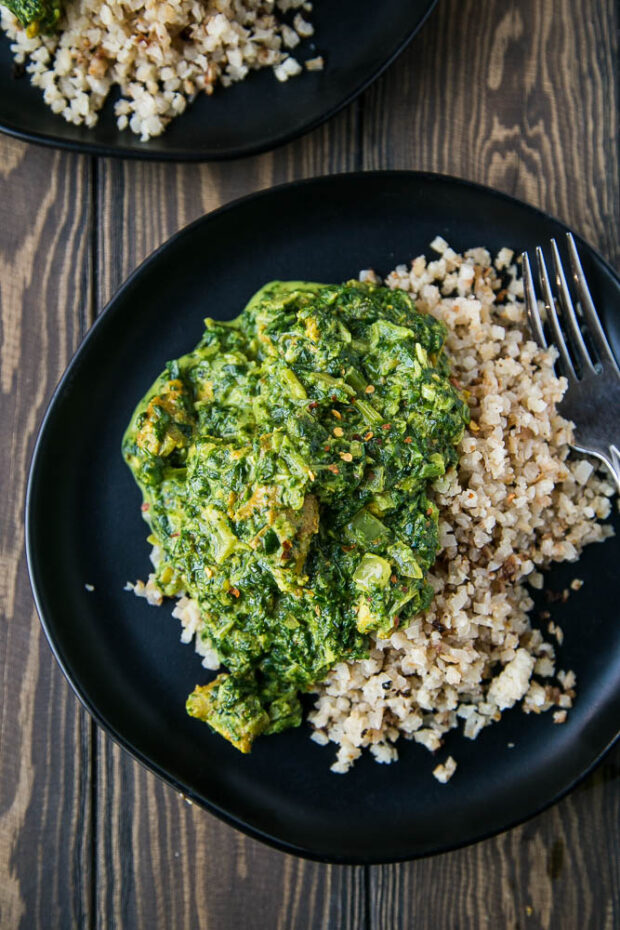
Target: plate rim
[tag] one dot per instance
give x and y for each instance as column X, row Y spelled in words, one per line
column 103, row 150
column 185, row 791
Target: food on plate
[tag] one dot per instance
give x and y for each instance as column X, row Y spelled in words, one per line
column 516, row 501
column 284, row 466
column 509, row 502
column 160, row 54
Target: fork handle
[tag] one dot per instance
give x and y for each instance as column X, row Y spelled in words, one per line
column 615, row 464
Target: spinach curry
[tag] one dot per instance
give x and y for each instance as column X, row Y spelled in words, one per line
column 284, row 466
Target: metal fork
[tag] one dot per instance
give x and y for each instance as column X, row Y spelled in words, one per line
column 592, row 400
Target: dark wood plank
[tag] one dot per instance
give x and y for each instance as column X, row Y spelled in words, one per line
column 161, row 862
column 560, row 870
column 45, row 739
column 165, row 863
column 521, row 96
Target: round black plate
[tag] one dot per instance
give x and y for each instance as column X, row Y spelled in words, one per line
column 250, row 117
column 124, row 658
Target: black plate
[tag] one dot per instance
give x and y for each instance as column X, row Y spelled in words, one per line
column 253, row 116
column 124, row 658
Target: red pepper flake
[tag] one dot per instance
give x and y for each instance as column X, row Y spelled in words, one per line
column 368, row 436
column 429, row 512
column 175, row 534
column 313, row 405
column 396, row 622
column 333, row 468
column 145, row 506
column 327, row 448
column 386, row 426
column 348, row 548
column 334, row 397
column 356, row 437
column 234, row 591
column 408, row 440
column 393, row 579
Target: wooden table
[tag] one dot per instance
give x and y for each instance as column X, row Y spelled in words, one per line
column 517, row 94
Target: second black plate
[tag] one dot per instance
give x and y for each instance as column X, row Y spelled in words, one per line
column 124, row 658
column 253, row 116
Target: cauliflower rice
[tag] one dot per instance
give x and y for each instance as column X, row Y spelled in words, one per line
column 515, row 503
column 161, row 53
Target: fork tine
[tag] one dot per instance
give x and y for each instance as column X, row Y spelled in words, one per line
column 558, row 336
column 531, row 304
column 568, row 310
column 587, row 305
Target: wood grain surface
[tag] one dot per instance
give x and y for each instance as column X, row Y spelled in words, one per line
column 518, row 94
column 46, row 740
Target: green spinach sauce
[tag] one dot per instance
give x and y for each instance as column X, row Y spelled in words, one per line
column 284, row 466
